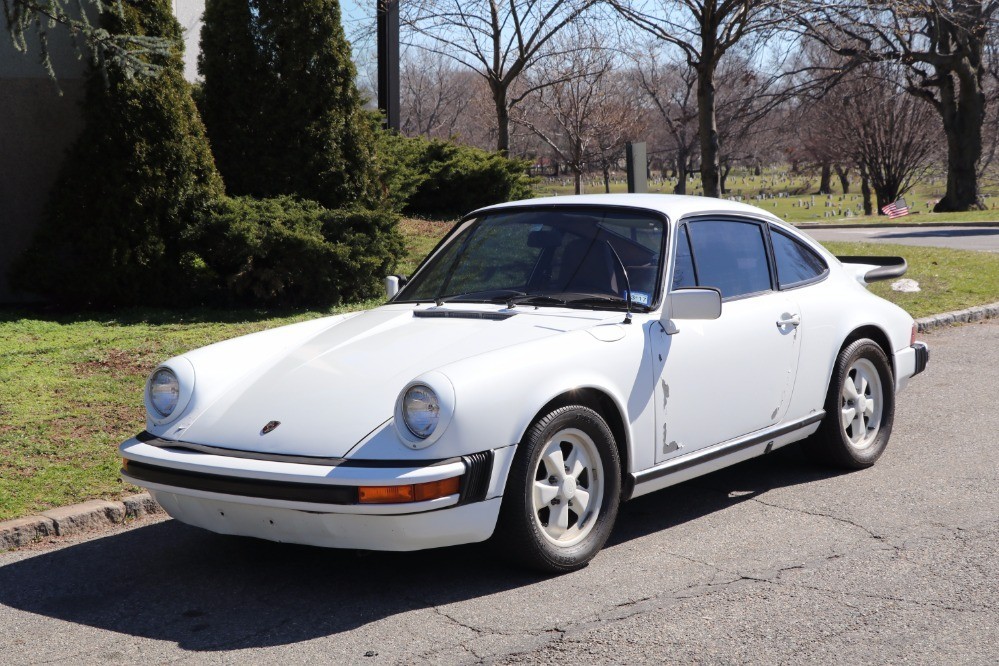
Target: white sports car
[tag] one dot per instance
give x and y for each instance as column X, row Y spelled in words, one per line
column 549, row 359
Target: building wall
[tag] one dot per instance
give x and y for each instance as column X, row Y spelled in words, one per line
column 38, row 124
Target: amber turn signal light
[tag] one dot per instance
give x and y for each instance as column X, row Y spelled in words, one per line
column 417, row 492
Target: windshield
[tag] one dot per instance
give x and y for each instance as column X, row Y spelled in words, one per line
column 569, row 257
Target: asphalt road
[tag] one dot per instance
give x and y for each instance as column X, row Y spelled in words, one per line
column 772, row 561
column 985, row 239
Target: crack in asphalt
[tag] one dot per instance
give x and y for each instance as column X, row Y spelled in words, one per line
column 829, row 516
column 623, row 611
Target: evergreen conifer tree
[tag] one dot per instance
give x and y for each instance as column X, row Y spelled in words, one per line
column 131, row 184
column 279, row 100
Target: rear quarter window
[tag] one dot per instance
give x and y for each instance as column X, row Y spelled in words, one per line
column 797, row 263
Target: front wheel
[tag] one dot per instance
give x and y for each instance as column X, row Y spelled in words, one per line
column 563, row 491
column 860, row 408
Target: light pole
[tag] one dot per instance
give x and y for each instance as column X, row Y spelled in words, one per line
column 388, row 61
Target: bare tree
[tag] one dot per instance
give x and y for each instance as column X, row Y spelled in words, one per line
column 940, row 45
column 581, row 107
column 497, row 40
column 669, row 85
column 746, row 96
column 704, row 31
column 884, row 131
column 434, row 93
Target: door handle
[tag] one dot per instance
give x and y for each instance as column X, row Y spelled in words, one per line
column 793, row 320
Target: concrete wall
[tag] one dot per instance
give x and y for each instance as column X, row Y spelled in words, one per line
column 37, row 125
column 188, row 13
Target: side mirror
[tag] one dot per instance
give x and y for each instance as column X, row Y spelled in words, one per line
column 393, row 284
column 693, row 303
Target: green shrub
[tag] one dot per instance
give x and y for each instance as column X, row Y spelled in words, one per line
column 442, row 179
column 139, row 172
column 289, row 252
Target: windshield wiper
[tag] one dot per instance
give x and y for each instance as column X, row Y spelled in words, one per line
column 607, row 300
column 498, row 295
column 533, row 299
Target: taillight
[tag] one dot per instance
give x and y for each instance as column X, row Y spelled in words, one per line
column 912, row 338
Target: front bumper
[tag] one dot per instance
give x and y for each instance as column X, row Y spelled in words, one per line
column 314, row 501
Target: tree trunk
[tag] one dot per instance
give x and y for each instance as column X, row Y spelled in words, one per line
column 681, row 173
column 577, row 179
column 825, row 181
column 844, row 178
column 883, row 197
column 865, row 190
column 708, row 128
column 964, row 147
column 724, row 177
column 962, row 109
column 502, row 117
column 607, row 179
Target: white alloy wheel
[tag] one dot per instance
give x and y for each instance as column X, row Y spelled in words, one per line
column 861, row 402
column 859, row 408
column 568, row 487
column 562, row 493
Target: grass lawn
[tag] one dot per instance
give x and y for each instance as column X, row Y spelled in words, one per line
column 71, row 386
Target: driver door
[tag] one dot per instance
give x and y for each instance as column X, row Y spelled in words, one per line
column 716, row 380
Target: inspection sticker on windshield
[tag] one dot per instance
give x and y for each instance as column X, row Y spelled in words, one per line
column 640, row 297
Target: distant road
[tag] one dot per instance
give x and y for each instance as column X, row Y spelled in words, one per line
column 984, row 239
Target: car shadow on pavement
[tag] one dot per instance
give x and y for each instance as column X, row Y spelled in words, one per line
column 206, row 592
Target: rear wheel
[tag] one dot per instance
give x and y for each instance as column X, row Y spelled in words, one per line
column 860, row 408
column 563, row 492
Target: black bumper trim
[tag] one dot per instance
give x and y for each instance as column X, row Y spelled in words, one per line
column 922, row 357
column 153, row 440
column 474, row 483
column 314, row 493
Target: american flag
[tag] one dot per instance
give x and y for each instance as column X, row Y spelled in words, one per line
column 897, row 209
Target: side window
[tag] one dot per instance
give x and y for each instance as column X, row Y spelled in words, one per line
column 731, row 256
column 796, row 263
column 683, row 268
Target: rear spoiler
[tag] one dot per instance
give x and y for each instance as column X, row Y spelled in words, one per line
column 873, row 269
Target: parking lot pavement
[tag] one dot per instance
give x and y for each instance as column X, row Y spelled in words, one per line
column 770, row 561
column 985, row 239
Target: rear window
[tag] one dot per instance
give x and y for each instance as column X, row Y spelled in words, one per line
column 796, row 263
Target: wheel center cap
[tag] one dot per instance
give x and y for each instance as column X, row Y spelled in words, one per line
column 861, row 403
column 569, row 487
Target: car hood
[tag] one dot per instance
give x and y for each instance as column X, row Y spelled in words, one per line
column 330, row 391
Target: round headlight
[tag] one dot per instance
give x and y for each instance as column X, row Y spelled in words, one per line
column 421, row 410
column 164, row 391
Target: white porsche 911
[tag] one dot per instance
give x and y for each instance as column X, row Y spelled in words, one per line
column 549, row 359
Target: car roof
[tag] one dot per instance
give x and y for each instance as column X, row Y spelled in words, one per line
column 674, row 206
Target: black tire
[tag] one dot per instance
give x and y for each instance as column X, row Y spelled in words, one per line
column 832, row 444
column 521, row 532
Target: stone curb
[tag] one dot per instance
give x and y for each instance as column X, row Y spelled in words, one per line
column 977, row 313
column 96, row 514
column 75, row 519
